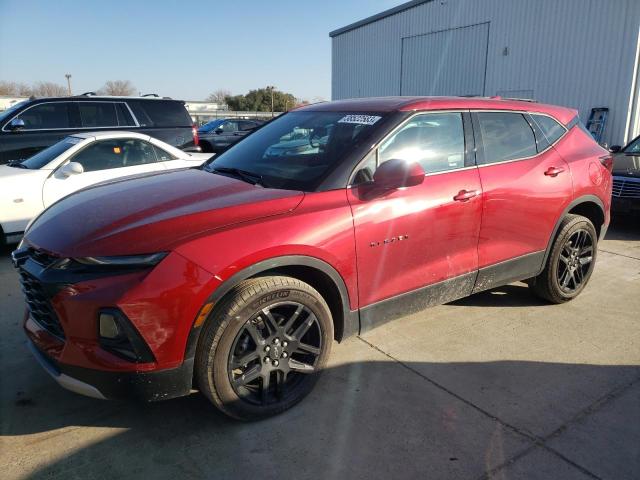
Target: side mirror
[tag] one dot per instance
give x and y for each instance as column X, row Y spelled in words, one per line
column 615, row 148
column 71, row 168
column 397, row 173
column 16, row 125
column 218, row 131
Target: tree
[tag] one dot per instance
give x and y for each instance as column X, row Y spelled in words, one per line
column 16, row 89
column 219, row 96
column 48, row 89
column 118, row 88
column 260, row 101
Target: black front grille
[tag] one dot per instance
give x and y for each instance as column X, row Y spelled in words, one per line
column 626, row 187
column 41, row 257
column 39, row 306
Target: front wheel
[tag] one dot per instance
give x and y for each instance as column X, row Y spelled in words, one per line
column 570, row 263
column 262, row 350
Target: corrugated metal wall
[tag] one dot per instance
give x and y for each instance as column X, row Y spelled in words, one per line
column 578, row 53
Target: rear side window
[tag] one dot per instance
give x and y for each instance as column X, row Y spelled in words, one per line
column 158, row 113
column 46, row 115
column 506, row 136
column 551, row 130
column 124, row 117
column 163, row 155
column 98, row 114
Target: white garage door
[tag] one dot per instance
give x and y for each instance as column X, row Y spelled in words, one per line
column 449, row 62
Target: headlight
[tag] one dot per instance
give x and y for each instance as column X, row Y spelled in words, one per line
column 147, row 260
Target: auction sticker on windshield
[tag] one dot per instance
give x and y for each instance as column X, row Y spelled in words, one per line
column 359, row 119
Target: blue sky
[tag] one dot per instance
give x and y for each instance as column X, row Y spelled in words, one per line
column 181, row 49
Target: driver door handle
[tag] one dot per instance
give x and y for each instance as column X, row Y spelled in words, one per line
column 553, row 171
column 466, row 195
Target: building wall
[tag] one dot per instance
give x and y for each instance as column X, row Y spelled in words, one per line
column 577, row 53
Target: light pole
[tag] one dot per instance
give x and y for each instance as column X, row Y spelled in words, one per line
column 68, row 76
column 271, row 88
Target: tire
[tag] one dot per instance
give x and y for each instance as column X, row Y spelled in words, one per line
column 570, row 263
column 206, row 146
column 272, row 331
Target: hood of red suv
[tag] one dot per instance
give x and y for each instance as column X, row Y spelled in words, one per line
column 152, row 213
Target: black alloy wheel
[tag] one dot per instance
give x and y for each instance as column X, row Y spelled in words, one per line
column 575, row 261
column 263, row 347
column 273, row 352
column 570, row 261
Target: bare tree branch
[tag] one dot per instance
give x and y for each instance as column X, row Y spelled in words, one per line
column 120, row 88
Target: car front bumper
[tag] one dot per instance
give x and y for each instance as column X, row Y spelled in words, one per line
column 104, row 385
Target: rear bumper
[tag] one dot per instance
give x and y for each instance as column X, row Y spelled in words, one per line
column 143, row 386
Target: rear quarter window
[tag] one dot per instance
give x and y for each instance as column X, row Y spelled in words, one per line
column 551, row 129
column 158, row 113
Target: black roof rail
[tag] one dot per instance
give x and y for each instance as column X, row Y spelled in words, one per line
column 151, row 95
column 530, row 100
column 88, row 94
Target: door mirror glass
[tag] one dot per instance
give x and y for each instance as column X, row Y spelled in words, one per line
column 71, row 168
column 396, row 173
column 16, row 125
column 615, row 148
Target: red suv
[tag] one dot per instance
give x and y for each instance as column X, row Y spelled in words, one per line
column 235, row 278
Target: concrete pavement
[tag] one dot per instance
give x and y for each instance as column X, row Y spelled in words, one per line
column 496, row 386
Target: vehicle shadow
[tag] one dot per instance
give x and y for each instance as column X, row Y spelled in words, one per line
column 624, row 227
column 512, row 295
column 366, row 419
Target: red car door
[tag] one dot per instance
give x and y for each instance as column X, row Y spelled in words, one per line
column 417, row 246
column 526, row 186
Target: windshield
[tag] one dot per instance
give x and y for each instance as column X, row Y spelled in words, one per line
column 4, row 115
column 208, row 127
column 299, row 149
column 45, row 156
column 633, row 147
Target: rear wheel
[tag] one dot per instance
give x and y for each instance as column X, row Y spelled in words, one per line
column 263, row 349
column 570, row 263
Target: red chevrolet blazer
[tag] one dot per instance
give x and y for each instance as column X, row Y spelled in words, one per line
column 235, row 278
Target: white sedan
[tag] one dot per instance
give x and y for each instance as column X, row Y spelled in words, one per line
column 76, row 162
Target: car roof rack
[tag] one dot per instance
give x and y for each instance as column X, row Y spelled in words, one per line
column 87, row 94
column 151, row 95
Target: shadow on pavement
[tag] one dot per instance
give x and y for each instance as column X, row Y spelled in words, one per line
column 372, row 419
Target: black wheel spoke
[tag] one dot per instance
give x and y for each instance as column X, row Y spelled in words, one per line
column 256, row 336
column 281, row 382
column 264, row 392
column 269, row 321
column 304, row 327
column 588, row 250
column 245, row 359
column 305, row 348
column 564, row 259
column 248, row 377
column 293, row 318
column 301, row 367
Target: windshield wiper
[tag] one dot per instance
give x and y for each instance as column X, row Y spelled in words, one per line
column 249, row 177
column 17, row 164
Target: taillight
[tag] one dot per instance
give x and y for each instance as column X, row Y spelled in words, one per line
column 196, row 138
column 607, row 162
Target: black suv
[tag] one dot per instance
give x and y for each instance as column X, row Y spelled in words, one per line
column 29, row 126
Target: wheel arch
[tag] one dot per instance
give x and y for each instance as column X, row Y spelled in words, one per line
column 317, row 273
column 588, row 206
